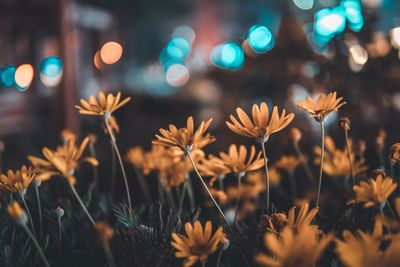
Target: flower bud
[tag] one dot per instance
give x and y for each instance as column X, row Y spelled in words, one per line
column 103, row 231
column 17, row 214
column 295, row 134
column 225, row 244
column 394, row 153
column 92, row 138
column 344, row 123
column 59, row 212
column 37, row 182
column 380, row 139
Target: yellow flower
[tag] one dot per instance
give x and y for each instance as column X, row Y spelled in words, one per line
column 238, row 161
column 67, row 134
column 103, row 105
column 212, row 167
column 261, row 126
column 63, row 161
column 293, row 248
column 17, row 181
column 288, row 163
column 17, row 213
column 367, row 250
column 258, row 177
column 324, row 105
column 198, row 244
column 375, row 191
column 336, row 161
column 114, row 126
column 394, row 154
column 185, row 138
column 136, row 156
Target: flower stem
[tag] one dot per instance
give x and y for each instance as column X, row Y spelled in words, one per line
column 40, row 212
column 114, row 143
column 113, row 169
column 266, row 176
column 307, row 169
column 346, row 135
column 239, row 178
column 29, row 213
column 203, row 264
column 59, row 229
column 110, row 258
column 36, row 243
column 221, row 251
column 182, row 197
column 322, row 161
column 293, row 185
column 82, row 204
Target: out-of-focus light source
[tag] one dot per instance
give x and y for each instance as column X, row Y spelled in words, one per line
column 304, row 4
column 328, row 22
column 8, row 76
column 177, row 75
column 111, row 52
column 260, row 39
column 359, row 54
column 395, row 37
column 51, row 70
column 353, row 11
column 184, row 32
column 98, row 63
column 228, row 56
column 178, row 48
column 24, row 76
column 372, row 3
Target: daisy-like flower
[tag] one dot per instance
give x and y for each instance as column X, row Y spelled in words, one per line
column 18, row 181
column 369, row 249
column 185, row 138
column 103, row 105
column 136, row 156
column 261, row 126
column 324, row 105
column 394, row 153
column 212, row 167
column 336, row 161
column 293, row 248
column 288, row 163
column 257, row 178
column 198, row 244
column 63, row 161
column 375, row 191
column 238, row 161
column 112, row 123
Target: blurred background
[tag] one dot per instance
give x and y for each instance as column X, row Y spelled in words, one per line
column 194, row 57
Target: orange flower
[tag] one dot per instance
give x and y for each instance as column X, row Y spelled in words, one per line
column 238, row 161
column 185, row 138
column 17, row 181
column 288, row 163
column 212, row 167
column 320, row 108
column 261, row 126
column 198, row 244
column 17, row 213
column 103, row 105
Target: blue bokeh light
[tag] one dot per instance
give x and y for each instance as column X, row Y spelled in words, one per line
column 260, row 39
column 228, row 56
column 329, row 22
column 353, row 12
column 304, row 4
column 8, row 76
column 178, row 48
column 51, row 67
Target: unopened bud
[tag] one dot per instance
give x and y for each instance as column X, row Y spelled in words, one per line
column 394, row 153
column 59, row 212
column 344, row 123
column 295, row 134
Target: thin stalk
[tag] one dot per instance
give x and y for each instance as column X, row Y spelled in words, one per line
column 113, row 169
column 221, row 251
column 390, row 209
column 160, row 190
column 95, row 168
column 184, row 189
column 143, row 185
column 40, row 212
column 36, row 243
column 191, row 195
column 114, row 143
column 307, row 169
column 322, row 161
column 82, row 204
column 266, row 176
column 239, row 179
column 203, row 264
column 221, row 183
column 383, row 216
column 59, row 230
column 346, row 135
column 109, row 256
column 29, row 213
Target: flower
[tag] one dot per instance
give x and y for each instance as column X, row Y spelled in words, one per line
column 344, row 124
column 198, row 244
column 62, row 161
column 394, row 154
column 103, row 105
column 380, row 139
column 366, row 250
column 303, row 218
column 293, row 248
column 274, row 222
column 17, row 213
column 104, row 232
column 112, row 122
column 185, row 138
column 288, row 163
column 17, row 181
column 262, row 126
column 238, row 161
column 375, row 191
column 295, row 134
column 258, row 178
column 136, row 156
column 67, row 134
column 212, row 167
column 336, row 161
column 320, row 108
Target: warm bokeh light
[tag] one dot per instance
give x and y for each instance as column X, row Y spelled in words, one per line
column 359, row 54
column 24, row 75
column 97, row 60
column 395, row 37
column 111, row 53
column 177, row 75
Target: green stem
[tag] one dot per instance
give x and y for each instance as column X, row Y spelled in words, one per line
column 82, row 204
column 109, row 256
column 29, row 213
column 322, row 161
column 114, row 143
column 346, row 135
column 113, row 169
column 239, row 178
column 221, row 250
column 266, row 175
column 40, row 212
column 36, row 243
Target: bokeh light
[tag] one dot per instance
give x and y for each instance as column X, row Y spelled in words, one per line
column 177, row 75
column 111, row 53
column 98, row 63
column 304, row 4
column 260, row 39
column 395, row 37
column 8, row 76
column 178, row 48
column 328, row 22
column 228, row 56
column 359, row 54
column 185, row 32
column 51, row 70
column 24, row 76
column 353, row 11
